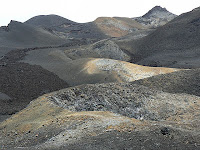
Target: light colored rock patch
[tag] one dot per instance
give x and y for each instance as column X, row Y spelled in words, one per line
column 124, row 71
column 110, row 50
column 101, row 49
column 117, row 24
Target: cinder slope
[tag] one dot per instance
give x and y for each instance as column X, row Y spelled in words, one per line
column 52, row 121
column 19, row 35
column 175, row 44
column 186, row 81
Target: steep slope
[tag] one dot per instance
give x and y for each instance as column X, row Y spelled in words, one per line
column 20, row 82
column 79, row 117
column 48, row 21
column 186, row 81
column 155, row 17
column 19, row 35
column 175, row 44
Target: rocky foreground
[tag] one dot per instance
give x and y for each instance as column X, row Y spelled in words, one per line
column 105, row 116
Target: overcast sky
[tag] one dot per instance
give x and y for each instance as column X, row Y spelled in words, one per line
column 87, row 10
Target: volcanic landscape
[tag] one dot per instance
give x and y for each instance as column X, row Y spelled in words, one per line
column 113, row 83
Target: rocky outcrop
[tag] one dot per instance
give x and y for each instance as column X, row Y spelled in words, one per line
column 155, row 17
column 101, row 49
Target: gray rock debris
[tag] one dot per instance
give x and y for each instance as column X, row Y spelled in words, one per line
column 127, row 99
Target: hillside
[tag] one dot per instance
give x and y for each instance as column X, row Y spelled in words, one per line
column 88, row 70
column 113, row 83
column 117, row 26
column 20, row 35
column 21, row 82
column 37, row 71
column 186, row 81
column 101, row 28
column 79, row 31
column 106, row 116
column 100, row 49
column 175, row 44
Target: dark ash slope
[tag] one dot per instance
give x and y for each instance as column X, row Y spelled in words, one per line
column 23, row 82
column 20, row 35
column 187, row 81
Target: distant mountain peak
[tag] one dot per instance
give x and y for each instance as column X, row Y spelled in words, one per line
column 158, row 8
column 155, row 17
column 157, row 11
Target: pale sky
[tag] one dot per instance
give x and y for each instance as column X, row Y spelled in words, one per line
column 87, row 10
